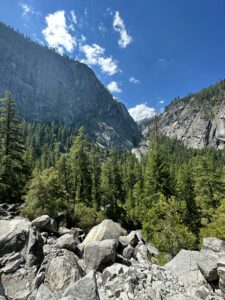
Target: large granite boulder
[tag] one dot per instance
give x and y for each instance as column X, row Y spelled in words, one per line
column 62, row 270
column 99, row 254
column 208, row 257
column 84, row 289
column 45, row 223
column 13, row 235
column 105, row 230
column 184, row 266
column 35, row 253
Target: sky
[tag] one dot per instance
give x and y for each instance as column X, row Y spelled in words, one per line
column 147, row 52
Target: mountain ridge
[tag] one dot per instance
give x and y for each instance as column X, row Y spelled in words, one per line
column 49, row 87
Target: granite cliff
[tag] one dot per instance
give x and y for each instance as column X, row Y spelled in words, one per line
column 198, row 119
column 49, row 87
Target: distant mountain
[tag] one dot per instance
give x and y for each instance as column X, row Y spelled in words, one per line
column 198, row 119
column 48, row 87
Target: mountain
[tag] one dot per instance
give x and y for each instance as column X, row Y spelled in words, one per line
column 48, row 87
column 198, row 119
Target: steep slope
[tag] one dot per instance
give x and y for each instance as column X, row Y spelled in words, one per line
column 198, row 119
column 48, row 87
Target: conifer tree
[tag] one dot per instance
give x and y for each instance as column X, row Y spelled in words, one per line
column 13, row 170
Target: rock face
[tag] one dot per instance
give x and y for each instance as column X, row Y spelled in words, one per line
column 198, row 119
column 48, row 87
column 44, row 266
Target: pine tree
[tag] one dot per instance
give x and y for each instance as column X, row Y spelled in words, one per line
column 80, row 179
column 13, row 170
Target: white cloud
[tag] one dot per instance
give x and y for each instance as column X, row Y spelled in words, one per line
column 161, row 101
column 94, row 56
column 141, row 112
column 27, row 10
column 57, row 33
column 134, row 80
column 73, row 16
column 119, row 26
column 113, row 87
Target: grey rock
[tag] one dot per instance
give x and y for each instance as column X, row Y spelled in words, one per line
column 141, row 252
column 131, row 239
column 67, row 241
column 99, row 254
column 62, row 270
column 45, row 223
column 184, row 266
column 105, row 230
column 35, row 253
column 85, row 288
column 221, row 272
column 113, row 271
column 13, row 235
column 128, row 252
column 44, row 293
column 49, row 87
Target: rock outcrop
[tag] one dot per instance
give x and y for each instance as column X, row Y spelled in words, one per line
column 49, row 87
column 111, row 265
column 198, row 119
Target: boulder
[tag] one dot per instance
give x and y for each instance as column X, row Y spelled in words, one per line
column 44, row 293
column 221, row 272
column 45, row 223
column 18, row 285
column 35, row 253
column 184, row 266
column 67, row 241
column 208, row 258
column 62, row 270
column 83, row 289
column 130, row 239
column 99, row 254
column 113, row 271
column 13, row 235
column 128, row 252
column 2, row 290
column 104, row 231
column 141, row 252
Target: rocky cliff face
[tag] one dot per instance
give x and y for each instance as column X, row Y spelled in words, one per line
column 48, row 87
column 198, row 119
column 40, row 261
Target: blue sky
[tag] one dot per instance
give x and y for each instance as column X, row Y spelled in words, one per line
column 146, row 51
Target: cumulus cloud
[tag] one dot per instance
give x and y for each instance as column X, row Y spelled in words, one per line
column 95, row 56
column 134, row 80
column 113, row 87
column 57, row 33
column 141, row 112
column 119, row 26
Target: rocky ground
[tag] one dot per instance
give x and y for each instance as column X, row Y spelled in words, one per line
column 39, row 261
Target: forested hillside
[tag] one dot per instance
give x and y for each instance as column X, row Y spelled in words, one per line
column 175, row 194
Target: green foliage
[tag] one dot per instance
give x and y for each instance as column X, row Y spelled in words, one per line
column 164, row 226
column 87, row 217
column 13, row 170
column 217, row 226
column 45, row 195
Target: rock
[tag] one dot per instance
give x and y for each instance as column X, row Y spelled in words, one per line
column 18, row 285
column 44, row 293
column 184, row 266
column 62, row 270
column 45, row 223
column 131, row 239
column 35, row 253
column 2, row 290
column 141, row 252
column 13, row 235
column 67, row 241
column 105, row 230
column 113, row 271
column 84, row 289
column 152, row 250
column 128, row 252
column 221, row 272
column 99, row 254
column 208, row 257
